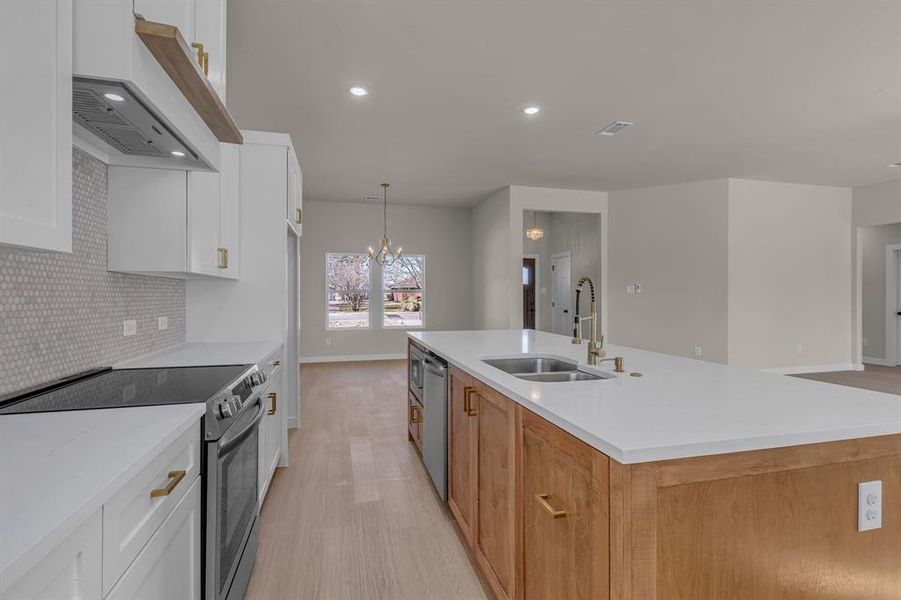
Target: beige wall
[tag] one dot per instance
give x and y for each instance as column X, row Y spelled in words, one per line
column 877, row 204
column 490, row 235
column 873, row 241
column 789, row 275
column 673, row 240
column 443, row 235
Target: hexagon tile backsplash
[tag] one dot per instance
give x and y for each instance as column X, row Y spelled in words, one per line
column 62, row 313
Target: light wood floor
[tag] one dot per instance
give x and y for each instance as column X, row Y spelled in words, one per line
column 873, row 377
column 355, row 515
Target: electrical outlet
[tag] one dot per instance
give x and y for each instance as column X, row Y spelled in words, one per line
column 864, row 341
column 799, row 349
column 869, row 505
column 698, row 351
column 129, row 327
column 630, row 289
column 637, row 288
column 328, row 341
column 162, row 323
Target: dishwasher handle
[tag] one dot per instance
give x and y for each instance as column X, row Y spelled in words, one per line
column 434, row 368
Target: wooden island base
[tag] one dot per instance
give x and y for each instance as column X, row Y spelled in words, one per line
column 548, row 517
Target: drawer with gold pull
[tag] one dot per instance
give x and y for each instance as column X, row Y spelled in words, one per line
column 133, row 514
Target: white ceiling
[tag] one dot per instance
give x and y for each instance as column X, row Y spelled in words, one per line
column 804, row 92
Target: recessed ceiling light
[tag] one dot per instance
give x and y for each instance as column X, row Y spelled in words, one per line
column 895, row 165
column 178, row 153
column 614, row 128
column 532, row 110
column 114, row 97
column 359, row 91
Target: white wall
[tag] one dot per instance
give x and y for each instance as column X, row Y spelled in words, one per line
column 443, row 235
column 540, row 248
column 673, row 240
column 789, row 275
column 873, row 241
column 877, row 204
column 490, row 233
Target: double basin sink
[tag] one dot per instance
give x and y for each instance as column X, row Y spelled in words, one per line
column 544, row 370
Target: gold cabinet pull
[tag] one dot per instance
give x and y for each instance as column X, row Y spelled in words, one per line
column 206, row 63
column 223, row 258
column 298, row 216
column 199, row 47
column 174, row 478
column 467, row 401
column 274, row 397
column 417, row 418
column 555, row 514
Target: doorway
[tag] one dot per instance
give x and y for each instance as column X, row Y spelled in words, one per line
column 893, row 304
column 529, row 289
column 561, row 275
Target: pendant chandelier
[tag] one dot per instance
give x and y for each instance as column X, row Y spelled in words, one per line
column 386, row 255
column 535, row 232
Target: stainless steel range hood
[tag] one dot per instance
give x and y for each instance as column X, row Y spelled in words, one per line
column 114, row 113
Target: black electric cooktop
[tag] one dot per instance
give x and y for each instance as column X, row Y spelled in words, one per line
column 122, row 388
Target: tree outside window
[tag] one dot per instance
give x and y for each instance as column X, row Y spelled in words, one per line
column 348, row 289
column 403, row 292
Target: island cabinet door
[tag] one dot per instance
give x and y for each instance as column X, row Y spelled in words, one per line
column 565, row 549
column 462, row 430
column 496, row 500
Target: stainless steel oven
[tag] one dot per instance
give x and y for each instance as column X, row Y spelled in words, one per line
column 231, row 505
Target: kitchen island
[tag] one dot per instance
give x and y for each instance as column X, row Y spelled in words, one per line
column 691, row 481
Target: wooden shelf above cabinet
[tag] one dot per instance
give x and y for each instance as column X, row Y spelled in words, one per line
column 178, row 60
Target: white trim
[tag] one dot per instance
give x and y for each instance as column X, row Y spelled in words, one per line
column 813, row 369
column 350, row 358
column 892, row 256
column 537, row 258
column 882, row 362
column 291, row 422
column 568, row 254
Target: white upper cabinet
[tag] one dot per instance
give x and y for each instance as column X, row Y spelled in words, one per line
column 176, row 223
column 36, row 124
column 209, row 30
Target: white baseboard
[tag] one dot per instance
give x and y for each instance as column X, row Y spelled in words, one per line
column 814, row 369
column 351, row 358
column 869, row 360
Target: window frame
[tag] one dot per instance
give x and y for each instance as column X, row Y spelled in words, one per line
column 369, row 319
column 382, row 296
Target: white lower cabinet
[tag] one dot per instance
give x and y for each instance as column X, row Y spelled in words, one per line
column 70, row 572
column 169, row 565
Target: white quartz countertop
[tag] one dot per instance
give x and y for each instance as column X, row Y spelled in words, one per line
column 204, row 354
column 679, row 408
column 58, row 468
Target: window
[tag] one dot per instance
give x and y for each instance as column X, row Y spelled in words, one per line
column 347, row 289
column 403, row 292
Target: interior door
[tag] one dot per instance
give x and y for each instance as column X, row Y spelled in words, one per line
column 528, row 293
column 560, row 292
column 897, row 255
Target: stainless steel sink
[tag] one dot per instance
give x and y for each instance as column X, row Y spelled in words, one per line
column 544, row 370
column 529, row 364
column 562, row 376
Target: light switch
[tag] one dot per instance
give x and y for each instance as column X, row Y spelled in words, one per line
column 129, row 327
column 637, row 288
column 869, row 505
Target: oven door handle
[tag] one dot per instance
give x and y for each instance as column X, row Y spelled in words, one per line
column 227, row 444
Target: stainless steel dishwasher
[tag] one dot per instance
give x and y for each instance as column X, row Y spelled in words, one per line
column 434, row 452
